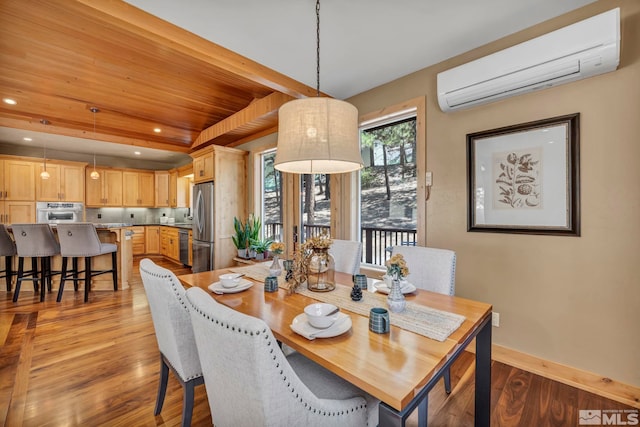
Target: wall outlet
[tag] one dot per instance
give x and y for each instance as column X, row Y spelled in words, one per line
column 495, row 319
column 131, row 215
column 99, row 216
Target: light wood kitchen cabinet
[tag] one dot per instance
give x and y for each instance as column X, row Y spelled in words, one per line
column 65, row 183
column 178, row 190
column 162, row 183
column 138, row 240
column 138, row 189
column 203, row 165
column 152, row 239
column 170, row 243
column 17, row 180
column 17, row 212
column 104, row 191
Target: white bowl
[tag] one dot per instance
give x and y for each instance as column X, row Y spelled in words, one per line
column 230, row 280
column 317, row 314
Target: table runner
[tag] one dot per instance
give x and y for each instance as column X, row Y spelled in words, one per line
column 426, row 321
column 259, row 272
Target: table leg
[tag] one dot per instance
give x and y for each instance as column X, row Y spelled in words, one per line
column 423, row 413
column 483, row 376
column 388, row 417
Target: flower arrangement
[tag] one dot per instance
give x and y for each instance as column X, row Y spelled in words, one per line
column 276, row 248
column 322, row 241
column 397, row 266
column 302, row 258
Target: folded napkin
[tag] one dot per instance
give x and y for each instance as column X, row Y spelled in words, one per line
column 302, row 327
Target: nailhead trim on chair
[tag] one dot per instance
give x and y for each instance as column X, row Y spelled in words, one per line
column 277, row 365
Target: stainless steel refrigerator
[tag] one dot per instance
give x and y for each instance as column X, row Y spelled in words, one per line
column 203, row 232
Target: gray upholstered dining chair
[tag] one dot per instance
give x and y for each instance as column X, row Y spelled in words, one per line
column 346, row 254
column 434, row 270
column 7, row 250
column 171, row 321
column 80, row 240
column 35, row 241
column 250, row 382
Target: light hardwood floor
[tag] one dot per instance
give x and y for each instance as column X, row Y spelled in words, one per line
column 97, row 364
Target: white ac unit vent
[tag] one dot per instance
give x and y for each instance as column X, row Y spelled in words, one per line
column 584, row 49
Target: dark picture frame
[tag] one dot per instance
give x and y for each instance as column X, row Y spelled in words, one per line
column 525, row 178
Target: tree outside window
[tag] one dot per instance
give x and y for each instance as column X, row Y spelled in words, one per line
column 271, row 198
column 388, row 188
column 316, row 204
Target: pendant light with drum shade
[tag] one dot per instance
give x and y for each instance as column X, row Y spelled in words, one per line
column 94, row 174
column 44, row 174
column 318, row 135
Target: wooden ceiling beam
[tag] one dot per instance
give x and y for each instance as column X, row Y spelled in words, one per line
column 173, row 37
column 259, row 115
column 36, row 126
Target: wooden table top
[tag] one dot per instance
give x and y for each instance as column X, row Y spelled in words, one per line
column 392, row 367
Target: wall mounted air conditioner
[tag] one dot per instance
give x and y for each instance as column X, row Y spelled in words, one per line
column 581, row 50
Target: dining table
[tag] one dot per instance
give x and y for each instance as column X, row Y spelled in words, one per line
column 399, row 367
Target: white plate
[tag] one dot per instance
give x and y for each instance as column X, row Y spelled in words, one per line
column 382, row 287
column 301, row 326
column 243, row 285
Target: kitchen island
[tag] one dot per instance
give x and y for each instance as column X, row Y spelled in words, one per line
column 107, row 233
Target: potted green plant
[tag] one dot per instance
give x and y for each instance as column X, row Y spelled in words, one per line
column 241, row 238
column 252, row 227
column 261, row 247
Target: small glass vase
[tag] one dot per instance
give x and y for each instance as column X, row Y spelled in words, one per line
column 275, row 269
column 321, row 271
column 395, row 299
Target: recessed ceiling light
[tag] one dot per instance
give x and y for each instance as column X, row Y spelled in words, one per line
column 26, row 138
column 137, row 153
column 157, row 130
column 10, row 101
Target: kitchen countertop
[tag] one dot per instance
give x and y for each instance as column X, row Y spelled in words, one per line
column 182, row 225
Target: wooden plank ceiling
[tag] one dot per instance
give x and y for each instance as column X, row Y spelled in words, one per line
column 59, row 58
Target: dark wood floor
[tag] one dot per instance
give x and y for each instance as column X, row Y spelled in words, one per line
column 96, row 364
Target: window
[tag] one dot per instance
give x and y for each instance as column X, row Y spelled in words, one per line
column 315, row 205
column 271, row 206
column 388, row 186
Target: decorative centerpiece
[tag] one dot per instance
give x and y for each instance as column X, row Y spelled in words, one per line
column 396, row 269
column 276, row 248
column 356, row 292
column 314, row 264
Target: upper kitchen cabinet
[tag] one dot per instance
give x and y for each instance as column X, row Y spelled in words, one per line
column 17, row 180
column 179, row 186
column 65, row 183
column 138, row 189
column 203, row 165
column 162, row 181
column 104, row 191
column 17, row 211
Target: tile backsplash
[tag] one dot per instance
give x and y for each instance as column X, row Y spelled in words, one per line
column 137, row 215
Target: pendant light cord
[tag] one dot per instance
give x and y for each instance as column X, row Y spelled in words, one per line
column 318, row 48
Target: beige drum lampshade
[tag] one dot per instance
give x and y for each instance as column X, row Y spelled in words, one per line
column 318, row 135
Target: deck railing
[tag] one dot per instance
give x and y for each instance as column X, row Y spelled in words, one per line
column 376, row 242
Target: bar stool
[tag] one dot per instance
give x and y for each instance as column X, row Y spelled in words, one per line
column 81, row 240
column 35, row 241
column 7, row 250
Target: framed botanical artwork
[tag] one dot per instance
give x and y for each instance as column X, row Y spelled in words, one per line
column 525, row 178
